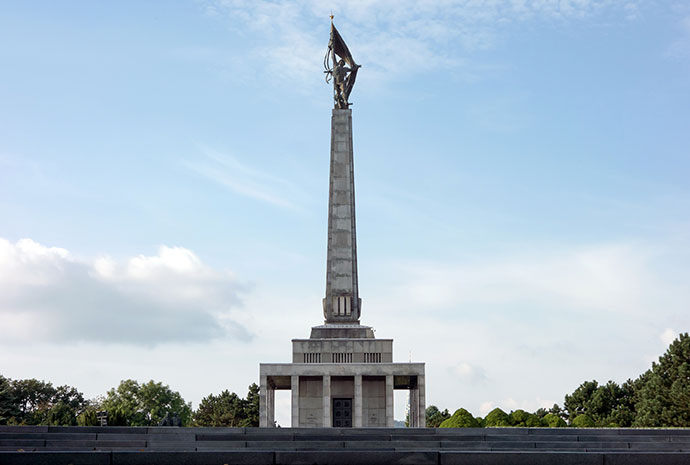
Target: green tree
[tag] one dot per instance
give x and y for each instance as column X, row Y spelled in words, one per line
column 66, row 404
column 524, row 419
column 553, row 421
column 606, row 405
column 460, row 419
column 144, row 404
column 497, row 417
column 434, row 417
column 583, row 421
column 663, row 392
column 229, row 409
column 225, row 409
column 558, row 411
column 37, row 402
column 252, row 405
column 623, row 412
column 33, row 400
column 117, row 417
column 578, row 402
column 8, row 403
column 88, row 418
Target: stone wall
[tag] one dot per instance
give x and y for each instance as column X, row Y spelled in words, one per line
column 374, row 401
column 342, row 386
column 311, row 402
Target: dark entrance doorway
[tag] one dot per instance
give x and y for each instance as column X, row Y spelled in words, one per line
column 342, row 413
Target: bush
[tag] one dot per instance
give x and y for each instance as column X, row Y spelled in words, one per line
column 525, row 419
column 460, row 419
column 553, row 421
column 497, row 417
column 583, row 421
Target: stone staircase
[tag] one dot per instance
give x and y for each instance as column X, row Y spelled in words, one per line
column 37, row 445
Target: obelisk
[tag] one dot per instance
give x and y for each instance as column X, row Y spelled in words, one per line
column 343, row 376
column 342, row 303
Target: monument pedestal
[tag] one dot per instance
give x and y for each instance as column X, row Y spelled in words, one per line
column 368, row 386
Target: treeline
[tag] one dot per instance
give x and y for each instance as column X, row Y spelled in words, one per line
column 660, row 397
column 34, row 402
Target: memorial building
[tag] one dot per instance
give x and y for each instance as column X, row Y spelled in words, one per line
column 342, row 376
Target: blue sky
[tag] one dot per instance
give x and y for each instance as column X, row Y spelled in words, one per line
column 521, row 172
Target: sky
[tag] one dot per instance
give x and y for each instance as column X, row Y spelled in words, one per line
column 521, row 172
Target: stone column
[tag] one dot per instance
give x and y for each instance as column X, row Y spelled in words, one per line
column 271, row 405
column 358, row 402
column 421, row 402
column 390, row 421
column 263, row 401
column 294, row 386
column 341, row 260
column 414, row 407
column 327, row 422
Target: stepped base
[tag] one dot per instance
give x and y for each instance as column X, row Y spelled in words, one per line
column 341, row 446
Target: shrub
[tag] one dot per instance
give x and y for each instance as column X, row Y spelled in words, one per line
column 583, row 421
column 497, row 417
column 553, row 421
column 460, row 419
column 521, row 418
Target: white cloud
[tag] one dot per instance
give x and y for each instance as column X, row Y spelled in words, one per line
column 469, row 373
column 48, row 294
column 610, row 277
column 392, row 39
column 524, row 329
column 668, row 336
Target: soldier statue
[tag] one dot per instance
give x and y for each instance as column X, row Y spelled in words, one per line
column 342, row 75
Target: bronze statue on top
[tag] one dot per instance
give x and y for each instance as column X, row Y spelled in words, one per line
column 341, row 67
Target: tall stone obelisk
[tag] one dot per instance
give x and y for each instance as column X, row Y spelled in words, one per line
column 342, row 376
column 342, row 303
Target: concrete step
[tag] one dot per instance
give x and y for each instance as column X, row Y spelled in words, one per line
column 386, row 440
column 56, row 458
column 57, row 436
column 193, row 458
column 356, row 458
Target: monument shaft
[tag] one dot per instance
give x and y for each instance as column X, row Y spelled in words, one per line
column 342, row 303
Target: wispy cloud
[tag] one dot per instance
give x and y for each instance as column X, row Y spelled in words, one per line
column 680, row 48
column 244, row 180
column 394, row 39
column 48, row 294
column 469, row 373
column 612, row 277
